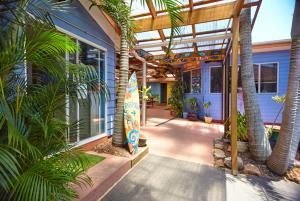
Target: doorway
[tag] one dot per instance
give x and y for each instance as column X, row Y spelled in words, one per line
column 163, row 93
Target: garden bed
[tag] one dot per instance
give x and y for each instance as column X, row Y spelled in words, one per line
column 250, row 167
column 107, row 148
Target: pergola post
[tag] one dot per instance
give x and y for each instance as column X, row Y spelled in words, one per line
column 144, row 85
column 226, row 94
column 234, row 83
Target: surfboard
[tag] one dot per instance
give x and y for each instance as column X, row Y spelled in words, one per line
column 132, row 114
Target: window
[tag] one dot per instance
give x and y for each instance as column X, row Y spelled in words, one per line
column 88, row 110
column 265, row 77
column 192, row 81
column 216, row 80
column 187, row 81
column 268, row 78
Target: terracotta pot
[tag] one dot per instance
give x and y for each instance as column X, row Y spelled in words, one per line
column 208, row 119
column 142, row 142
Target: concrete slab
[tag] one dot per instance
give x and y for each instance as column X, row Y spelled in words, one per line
column 162, row 178
column 252, row 188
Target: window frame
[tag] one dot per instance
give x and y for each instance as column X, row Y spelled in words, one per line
column 259, row 77
column 100, row 48
column 191, row 81
column 209, row 81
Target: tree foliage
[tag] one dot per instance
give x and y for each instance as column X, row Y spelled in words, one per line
column 36, row 161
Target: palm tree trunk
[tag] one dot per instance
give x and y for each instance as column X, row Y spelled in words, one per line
column 285, row 149
column 258, row 140
column 118, row 138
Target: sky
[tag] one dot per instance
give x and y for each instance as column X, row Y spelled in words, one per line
column 274, row 20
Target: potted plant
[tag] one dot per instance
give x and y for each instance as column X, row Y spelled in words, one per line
column 207, row 118
column 192, row 115
column 242, row 133
column 273, row 132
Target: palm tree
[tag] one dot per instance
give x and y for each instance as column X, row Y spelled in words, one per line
column 285, row 150
column 258, row 141
column 36, row 161
column 120, row 13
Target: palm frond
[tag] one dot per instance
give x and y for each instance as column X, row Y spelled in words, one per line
column 9, row 167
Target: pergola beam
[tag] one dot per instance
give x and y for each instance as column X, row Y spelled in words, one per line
column 200, row 15
column 203, row 2
column 184, row 41
column 186, row 35
column 237, row 8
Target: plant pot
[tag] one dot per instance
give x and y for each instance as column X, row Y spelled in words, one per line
column 192, row 116
column 273, row 138
column 185, row 115
column 208, row 119
column 172, row 113
column 142, row 142
column 242, row 146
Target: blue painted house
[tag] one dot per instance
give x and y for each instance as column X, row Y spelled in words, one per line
column 271, row 66
column 98, row 41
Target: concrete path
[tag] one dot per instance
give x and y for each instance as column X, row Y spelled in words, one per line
column 179, row 138
column 165, row 179
column 158, row 178
column 179, row 168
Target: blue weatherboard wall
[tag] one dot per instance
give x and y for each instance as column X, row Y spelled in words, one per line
column 78, row 21
column 268, row 108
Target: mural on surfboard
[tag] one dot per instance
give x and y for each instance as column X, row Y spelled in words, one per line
column 132, row 114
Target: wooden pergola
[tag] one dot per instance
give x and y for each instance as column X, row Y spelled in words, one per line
column 210, row 33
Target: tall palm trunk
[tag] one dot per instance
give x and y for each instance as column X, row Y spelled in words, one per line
column 118, row 138
column 258, row 141
column 286, row 147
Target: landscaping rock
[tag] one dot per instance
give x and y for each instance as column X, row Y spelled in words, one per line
column 219, row 145
column 251, row 169
column 227, row 162
column 294, row 175
column 242, row 146
column 219, row 154
column 229, row 148
column 219, row 163
column 218, row 140
column 226, row 140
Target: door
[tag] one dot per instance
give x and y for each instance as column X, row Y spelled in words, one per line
column 163, row 93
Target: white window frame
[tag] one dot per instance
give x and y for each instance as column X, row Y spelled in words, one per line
column 79, row 38
column 209, row 81
column 259, row 77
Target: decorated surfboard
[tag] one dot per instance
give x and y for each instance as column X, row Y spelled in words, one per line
column 132, row 114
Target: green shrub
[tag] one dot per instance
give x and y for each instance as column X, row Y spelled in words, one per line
column 242, row 132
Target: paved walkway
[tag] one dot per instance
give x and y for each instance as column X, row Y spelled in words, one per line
column 179, row 138
column 179, row 168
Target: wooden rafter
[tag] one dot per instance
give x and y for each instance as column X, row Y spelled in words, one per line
column 184, row 41
column 203, row 2
column 186, row 35
column 154, row 15
column 237, row 8
column 200, row 15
